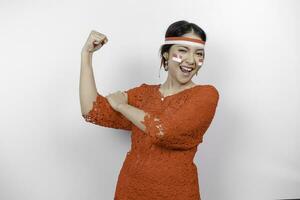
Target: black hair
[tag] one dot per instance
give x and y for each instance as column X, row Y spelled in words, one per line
column 178, row 29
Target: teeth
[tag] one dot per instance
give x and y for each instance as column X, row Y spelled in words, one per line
column 186, row 68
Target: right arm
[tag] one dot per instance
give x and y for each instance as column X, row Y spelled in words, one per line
column 87, row 86
column 96, row 108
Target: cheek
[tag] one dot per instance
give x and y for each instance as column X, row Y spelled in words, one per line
column 176, row 57
column 199, row 61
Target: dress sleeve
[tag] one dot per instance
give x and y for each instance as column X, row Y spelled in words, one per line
column 184, row 128
column 103, row 114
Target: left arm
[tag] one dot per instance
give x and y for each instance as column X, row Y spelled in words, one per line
column 178, row 129
column 133, row 114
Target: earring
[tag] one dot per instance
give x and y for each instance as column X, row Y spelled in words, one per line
column 198, row 70
column 166, row 66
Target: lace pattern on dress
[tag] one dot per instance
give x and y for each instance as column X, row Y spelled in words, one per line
column 184, row 127
column 104, row 115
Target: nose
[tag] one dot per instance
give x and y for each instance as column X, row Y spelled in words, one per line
column 190, row 59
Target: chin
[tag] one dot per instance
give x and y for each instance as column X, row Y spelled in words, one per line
column 184, row 80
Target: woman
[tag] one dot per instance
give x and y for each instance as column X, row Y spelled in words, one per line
column 167, row 120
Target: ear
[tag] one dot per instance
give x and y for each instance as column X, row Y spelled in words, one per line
column 165, row 55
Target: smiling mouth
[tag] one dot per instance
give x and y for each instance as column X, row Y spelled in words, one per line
column 186, row 69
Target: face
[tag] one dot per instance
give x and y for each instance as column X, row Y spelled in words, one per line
column 181, row 56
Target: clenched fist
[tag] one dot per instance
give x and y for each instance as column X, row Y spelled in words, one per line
column 94, row 42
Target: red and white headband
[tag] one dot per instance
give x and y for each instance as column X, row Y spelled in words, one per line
column 185, row 40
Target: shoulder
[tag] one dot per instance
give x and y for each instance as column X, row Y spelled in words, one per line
column 137, row 95
column 138, row 91
column 137, row 88
column 144, row 87
column 210, row 89
column 207, row 92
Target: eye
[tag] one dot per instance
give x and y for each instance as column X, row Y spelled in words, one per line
column 200, row 53
column 182, row 50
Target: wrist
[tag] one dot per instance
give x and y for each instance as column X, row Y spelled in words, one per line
column 86, row 53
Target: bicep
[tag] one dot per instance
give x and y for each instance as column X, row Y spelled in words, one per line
column 103, row 114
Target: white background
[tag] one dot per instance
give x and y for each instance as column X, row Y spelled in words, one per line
column 47, row 150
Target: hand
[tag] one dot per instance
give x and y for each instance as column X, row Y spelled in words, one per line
column 117, row 98
column 94, row 42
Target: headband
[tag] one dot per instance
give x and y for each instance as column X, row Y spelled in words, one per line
column 185, row 40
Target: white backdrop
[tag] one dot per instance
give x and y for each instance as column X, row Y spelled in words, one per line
column 47, row 150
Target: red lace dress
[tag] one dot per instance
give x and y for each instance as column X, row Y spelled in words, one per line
column 159, row 165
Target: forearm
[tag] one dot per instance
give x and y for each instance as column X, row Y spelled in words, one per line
column 133, row 114
column 162, row 132
column 87, row 85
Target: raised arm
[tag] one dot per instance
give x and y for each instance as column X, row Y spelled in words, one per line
column 87, row 86
column 95, row 107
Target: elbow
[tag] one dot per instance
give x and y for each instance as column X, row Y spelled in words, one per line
column 86, row 117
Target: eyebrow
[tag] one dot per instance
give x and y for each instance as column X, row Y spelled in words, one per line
column 189, row 48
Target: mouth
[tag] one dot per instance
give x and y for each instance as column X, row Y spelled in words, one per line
column 186, row 70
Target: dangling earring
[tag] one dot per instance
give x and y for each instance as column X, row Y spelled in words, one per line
column 166, row 65
column 198, row 70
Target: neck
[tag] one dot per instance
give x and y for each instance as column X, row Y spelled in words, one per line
column 173, row 85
